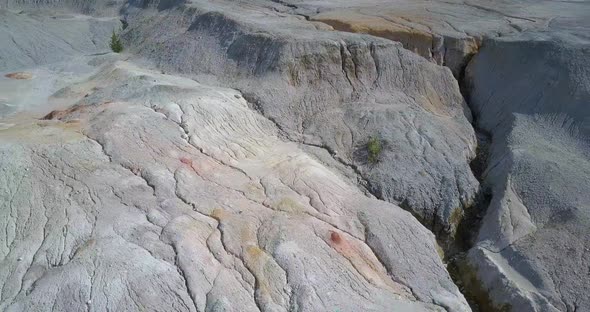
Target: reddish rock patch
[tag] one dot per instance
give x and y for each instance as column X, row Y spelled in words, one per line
column 186, row 161
column 335, row 237
column 79, row 108
column 19, row 75
column 60, row 114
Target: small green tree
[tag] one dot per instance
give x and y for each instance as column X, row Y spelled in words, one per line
column 116, row 44
column 374, row 149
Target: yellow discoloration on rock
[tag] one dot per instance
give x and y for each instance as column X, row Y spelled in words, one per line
column 42, row 132
column 262, row 267
column 392, row 28
column 254, row 259
column 254, row 191
column 287, row 204
column 456, row 217
column 439, row 251
column 218, row 214
column 254, row 253
column 364, row 261
column 247, row 233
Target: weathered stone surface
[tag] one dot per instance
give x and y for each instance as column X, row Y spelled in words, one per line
column 147, row 191
column 32, row 38
column 529, row 89
column 445, row 32
column 107, row 8
column 330, row 89
column 532, row 93
column 154, row 192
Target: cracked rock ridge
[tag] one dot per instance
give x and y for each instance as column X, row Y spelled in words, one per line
column 123, row 188
column 332, row 90
column 154, row 192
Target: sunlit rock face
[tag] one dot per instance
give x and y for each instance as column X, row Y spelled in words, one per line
column 331, row 90
column 292, row 156
column 127, row 189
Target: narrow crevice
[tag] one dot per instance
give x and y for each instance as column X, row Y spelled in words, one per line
column 182, row 274
column 289, row 5
column 461, row 272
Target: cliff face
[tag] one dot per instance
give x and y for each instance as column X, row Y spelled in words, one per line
column 293, row 156
column 531, row 92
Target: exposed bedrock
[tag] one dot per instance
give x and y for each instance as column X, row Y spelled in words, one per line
column 447, row 32
column 143, row 190
column 333, row 90
column 153, row 192
column 532, row 93
column 452, row 50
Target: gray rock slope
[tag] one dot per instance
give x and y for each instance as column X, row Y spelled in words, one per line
column 144, row 191
column 153, row 192
column 32, row 38
column 532, row 93
column 332, row 90
column 148, row 191
column 529, row 89
column 103, row 8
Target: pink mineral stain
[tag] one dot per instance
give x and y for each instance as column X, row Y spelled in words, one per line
column 186, row 161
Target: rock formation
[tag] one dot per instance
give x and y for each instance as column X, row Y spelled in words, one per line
column 331, row 90
column 156, row 192
column 531, row 92
column 223, row 161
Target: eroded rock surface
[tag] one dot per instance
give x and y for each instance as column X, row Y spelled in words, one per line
column 330, row 89
column 38, row 38
column 153, row 192
column 445, row 32
column 126, row 188
column 532, row 93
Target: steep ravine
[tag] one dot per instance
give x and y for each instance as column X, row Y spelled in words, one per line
column 534, row 180
column 351, row 67
column 531, row 92
column 462, row 273
column 303, row 120
column 455, row 248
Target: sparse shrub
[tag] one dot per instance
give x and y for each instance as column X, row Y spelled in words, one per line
column 374, row 148
column 116, row 44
